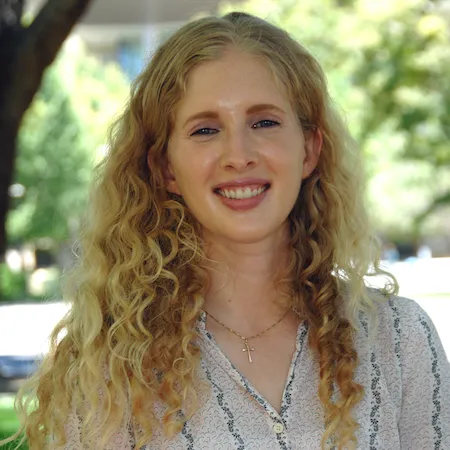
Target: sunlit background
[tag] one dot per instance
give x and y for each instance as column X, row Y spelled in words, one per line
column 388, row 65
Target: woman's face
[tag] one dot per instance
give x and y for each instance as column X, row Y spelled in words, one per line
column 237, row 154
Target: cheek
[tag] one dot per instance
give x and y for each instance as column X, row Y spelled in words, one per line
column 290, row 173
column 192, row 171
column 289, row 161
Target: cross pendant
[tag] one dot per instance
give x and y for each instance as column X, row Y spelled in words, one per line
column 248, row 349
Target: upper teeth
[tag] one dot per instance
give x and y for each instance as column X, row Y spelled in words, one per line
column 240, row 193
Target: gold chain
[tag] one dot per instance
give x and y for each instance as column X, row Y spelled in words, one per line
column 247, row 347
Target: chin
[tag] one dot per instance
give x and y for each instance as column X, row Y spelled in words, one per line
column 251, row 235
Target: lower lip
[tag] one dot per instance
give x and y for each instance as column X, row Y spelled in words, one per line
column 243, row 204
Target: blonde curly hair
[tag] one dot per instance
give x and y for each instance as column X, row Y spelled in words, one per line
column 139, row 285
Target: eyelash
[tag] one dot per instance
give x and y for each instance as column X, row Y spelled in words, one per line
column 200, row 132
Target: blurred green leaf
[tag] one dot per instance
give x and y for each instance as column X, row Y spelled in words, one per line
column 62, row 136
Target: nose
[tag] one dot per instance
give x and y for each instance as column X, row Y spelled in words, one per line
column 239, row 152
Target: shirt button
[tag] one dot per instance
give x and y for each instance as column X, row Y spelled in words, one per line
column 278, row 428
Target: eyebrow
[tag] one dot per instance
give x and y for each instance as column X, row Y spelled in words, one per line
column 252, row 110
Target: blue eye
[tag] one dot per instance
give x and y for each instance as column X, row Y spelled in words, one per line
column 266, row 124
column 204, row 132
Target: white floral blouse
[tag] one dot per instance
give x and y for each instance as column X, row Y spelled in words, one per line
column 405, row 372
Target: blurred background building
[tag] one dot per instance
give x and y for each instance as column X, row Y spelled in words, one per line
column 127, row 32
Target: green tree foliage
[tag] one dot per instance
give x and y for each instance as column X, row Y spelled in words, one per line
column 387, row 63
column 62, row 136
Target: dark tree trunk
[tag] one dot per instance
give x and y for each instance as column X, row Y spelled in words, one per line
column 25, row 53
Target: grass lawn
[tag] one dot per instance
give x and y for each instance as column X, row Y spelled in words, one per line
column 8, row 421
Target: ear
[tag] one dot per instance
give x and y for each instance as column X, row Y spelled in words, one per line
column 171, row 182
column 313, row 148
column 169, row 177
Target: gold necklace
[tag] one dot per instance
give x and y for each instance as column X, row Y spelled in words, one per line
column 247, row 348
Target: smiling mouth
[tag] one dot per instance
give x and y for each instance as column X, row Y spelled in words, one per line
column 241, row 193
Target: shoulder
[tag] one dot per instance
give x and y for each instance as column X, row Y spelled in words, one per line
column 404, row 330
column 407, row 349
column 424, row 372
column 400, row 307
column 399, row 327
column 405, row 316
column 407, row 310
column 418, row 331
column 395, row 313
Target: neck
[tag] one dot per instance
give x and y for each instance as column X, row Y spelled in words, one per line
column 243, row 278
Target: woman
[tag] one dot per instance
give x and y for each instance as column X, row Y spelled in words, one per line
column 219, row 301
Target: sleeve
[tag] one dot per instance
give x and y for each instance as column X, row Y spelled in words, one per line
column 425, row 412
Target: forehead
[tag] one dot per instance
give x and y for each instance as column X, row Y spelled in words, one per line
column 237, row 78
